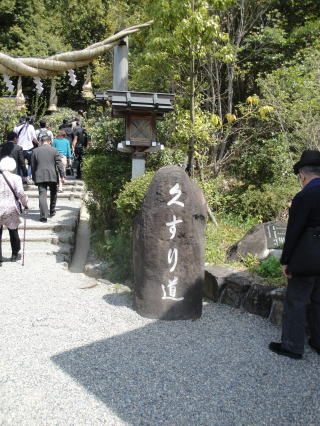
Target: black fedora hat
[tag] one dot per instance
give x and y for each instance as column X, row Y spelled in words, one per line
column 309, row 157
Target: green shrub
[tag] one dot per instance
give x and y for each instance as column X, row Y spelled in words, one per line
column 230, row 230
column 269, row 268
column 263, row 161
column 164, row 158
column 105, row 133
column 130, row 199
column 105, row 175
column 9, row 117
column 55, row 119
column 217, row 192
column 269, row 202
column 250, row 261
column 118, row 250
column 119, row 255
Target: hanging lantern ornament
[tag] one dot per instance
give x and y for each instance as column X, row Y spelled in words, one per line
column 8, row 83
column 20, row 99
column 39, row 86
column 72, row 77
column 87, row 86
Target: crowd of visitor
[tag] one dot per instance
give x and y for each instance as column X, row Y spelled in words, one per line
column 36, row 156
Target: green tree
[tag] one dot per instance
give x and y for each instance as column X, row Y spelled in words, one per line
column 294, row 93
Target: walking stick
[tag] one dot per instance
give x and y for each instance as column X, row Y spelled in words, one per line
column 24, row 233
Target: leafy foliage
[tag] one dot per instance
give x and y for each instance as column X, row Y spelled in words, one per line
column 8, row 117
column 105, row 175
column 130, row 199
column 265, row 203
column 55, row 120
column 230, row 230
column 293, row 91
column 269, row 268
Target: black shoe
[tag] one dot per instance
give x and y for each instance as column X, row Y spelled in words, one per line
column 15, row 257
column 278, row 349
column 314, row 347
column 52, row 214
column 43, row 219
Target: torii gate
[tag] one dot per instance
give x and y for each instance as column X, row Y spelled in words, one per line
column 57, row 64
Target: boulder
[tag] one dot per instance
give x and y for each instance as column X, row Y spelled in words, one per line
column 258, row 300
column 262, row 240
column 168, row 248
column 215, row 280
column 276, row 312
column 236, row 288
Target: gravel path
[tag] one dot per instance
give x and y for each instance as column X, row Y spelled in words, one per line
column 81, row 356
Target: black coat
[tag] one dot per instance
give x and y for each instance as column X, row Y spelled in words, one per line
column 303, row 213
column 11, row 149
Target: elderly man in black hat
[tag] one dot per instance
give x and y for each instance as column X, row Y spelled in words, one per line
column 301, row 261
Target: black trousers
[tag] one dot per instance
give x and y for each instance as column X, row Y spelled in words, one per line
column 27, row 156
column 301, row 291
column 14, row 240
column 43, row 205
column 79, row 157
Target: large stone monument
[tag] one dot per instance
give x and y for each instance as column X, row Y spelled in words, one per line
column 168, row 250
column 262, row 240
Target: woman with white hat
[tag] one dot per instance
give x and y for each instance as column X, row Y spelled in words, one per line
column 11, row 194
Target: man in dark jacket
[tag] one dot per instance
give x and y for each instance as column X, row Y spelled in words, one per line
column 304, row 285
column 11, row 149
column 46, row 164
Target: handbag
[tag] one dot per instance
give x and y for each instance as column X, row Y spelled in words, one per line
column 69, row 171
column 19, row 205
column 305, row 260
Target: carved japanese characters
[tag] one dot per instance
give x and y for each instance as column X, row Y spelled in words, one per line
column 169, row 248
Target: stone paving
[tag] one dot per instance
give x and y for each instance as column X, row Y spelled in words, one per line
column 74, row 352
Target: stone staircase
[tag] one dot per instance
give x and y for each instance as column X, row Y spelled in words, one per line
column 56, row 236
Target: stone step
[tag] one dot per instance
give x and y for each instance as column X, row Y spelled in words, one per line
column 57, row 235
column 37, row 251
column 66, row 194
column 41, row 248
column 61, row 201
column 66, row 188
column 35, row 236
column 69, row 182
column 49, row 226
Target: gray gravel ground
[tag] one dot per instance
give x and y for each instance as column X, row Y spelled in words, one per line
column 75, row 356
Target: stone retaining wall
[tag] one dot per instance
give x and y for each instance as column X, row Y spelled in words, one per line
column 240, row 290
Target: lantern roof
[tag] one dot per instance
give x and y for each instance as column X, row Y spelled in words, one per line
column 123, row 101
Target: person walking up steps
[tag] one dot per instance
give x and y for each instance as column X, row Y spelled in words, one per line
column 43, row 131
column 27, row 139
column 10, row 189
column 46, row 168
column 11, row 149
column 61, row 143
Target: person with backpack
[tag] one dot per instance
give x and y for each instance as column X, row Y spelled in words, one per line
column 43, row 131
column 27, row 139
